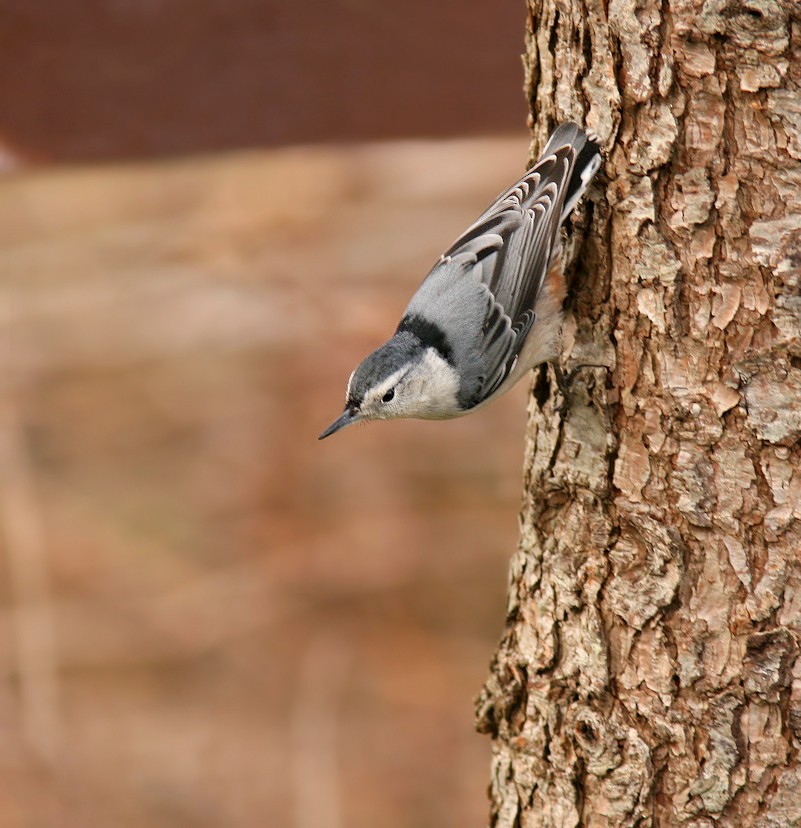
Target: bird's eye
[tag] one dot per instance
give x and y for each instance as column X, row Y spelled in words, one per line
column 388, row 396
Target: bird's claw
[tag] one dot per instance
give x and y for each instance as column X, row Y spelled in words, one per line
column 565, row 382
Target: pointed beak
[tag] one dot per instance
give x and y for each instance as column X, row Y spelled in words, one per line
column 348, row 417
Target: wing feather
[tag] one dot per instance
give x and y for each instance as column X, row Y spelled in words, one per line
column 514, row 241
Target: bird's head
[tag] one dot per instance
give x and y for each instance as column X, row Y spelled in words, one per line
column 402, row 378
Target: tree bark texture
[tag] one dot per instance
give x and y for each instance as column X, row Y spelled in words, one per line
column 649, row 674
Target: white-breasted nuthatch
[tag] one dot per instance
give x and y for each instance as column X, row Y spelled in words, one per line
column 491, row 307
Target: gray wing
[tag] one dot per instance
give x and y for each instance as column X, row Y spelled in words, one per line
column 482, row 292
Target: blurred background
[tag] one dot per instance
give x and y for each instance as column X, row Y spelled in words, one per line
column 210, row 211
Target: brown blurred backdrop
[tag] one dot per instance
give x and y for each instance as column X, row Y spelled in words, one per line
column 209, row 618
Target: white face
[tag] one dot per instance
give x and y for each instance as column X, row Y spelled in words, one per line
column 425, row 389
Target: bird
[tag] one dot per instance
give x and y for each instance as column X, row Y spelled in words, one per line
column 491, row 307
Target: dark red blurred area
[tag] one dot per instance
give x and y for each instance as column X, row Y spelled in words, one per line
column 110, row 79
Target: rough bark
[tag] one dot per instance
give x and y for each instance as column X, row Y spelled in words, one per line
column 649, row 673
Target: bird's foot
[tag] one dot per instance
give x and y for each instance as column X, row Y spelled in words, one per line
column 565, row 382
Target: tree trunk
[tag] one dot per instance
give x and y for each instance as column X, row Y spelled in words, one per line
column 649, row 672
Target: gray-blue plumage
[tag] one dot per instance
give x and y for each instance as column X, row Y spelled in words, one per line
column 484, row 315
column 403, row 348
